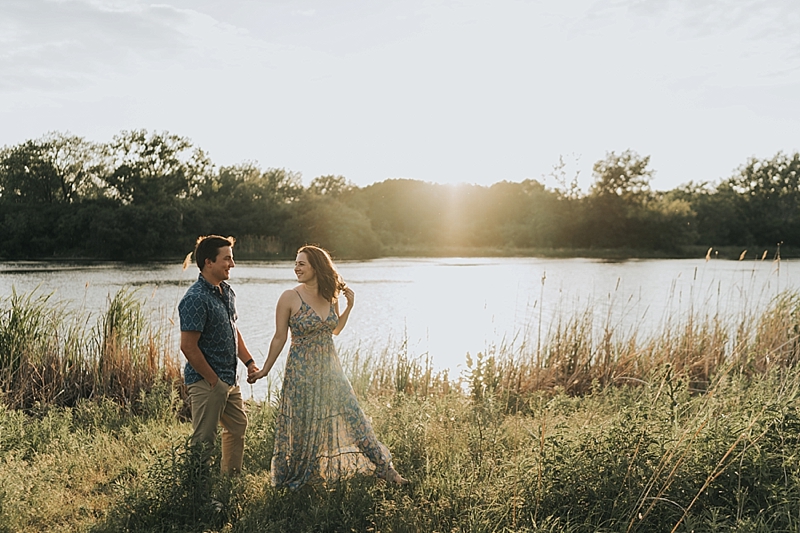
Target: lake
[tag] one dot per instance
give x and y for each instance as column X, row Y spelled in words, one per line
column 442, row 308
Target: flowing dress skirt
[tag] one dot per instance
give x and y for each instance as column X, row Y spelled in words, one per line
column 321, row 433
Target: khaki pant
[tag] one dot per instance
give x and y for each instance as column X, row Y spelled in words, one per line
column 211, row 407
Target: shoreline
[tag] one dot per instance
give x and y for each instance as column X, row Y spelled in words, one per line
column 730, row 253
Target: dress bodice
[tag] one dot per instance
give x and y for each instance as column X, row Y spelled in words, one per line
column 307, row 326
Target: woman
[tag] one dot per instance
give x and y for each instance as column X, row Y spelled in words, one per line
column 321, row 433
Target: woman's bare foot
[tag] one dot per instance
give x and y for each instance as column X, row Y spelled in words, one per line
column 397, row 479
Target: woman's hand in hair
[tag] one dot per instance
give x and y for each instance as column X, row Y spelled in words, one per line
column 350, row 296
column 351, row 299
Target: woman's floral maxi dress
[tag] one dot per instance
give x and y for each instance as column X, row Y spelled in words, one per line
column 321, row 433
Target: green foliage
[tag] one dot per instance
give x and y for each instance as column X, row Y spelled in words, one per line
column 407, row 213
column 330, row 186
column 175, row 494
column 402, row 211
column 260, row 435
column 58, row 168
column 770, row 193
column 153, row 168
column 62, row 468
column 717, row 213
column 337, row 227
column 28, row 176
column 625, row 176
column 525, row 215
column 137, row 232
column 349, row 507
column 666, row 224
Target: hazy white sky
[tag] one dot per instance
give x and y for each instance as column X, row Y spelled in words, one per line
column 443, row 91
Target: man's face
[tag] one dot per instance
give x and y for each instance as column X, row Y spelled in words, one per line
column 220, row 269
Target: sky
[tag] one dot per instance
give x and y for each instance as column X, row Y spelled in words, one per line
column 445, row 91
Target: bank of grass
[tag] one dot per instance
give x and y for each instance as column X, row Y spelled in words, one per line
column 695, row 428
column 52, row 353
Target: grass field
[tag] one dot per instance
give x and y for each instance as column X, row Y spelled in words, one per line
column 695, row 428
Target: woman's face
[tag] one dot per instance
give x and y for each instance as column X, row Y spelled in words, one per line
column 302, row 268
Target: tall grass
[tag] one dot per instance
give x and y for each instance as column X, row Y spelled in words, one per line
column 657, row 457
column 394, row 369
column 53, row 354
column 695, row 427
column 576, row 355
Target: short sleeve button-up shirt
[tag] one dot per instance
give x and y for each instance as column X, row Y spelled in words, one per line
column 212, row 312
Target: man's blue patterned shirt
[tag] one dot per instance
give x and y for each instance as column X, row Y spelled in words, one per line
column 203, row 308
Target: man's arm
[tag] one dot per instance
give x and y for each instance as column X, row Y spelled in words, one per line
column 196, row 358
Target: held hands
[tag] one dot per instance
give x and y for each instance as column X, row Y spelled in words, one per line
column 254, row 374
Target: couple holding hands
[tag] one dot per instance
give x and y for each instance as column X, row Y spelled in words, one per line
column 321, row 434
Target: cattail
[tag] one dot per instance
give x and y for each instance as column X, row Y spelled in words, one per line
column 187, row 261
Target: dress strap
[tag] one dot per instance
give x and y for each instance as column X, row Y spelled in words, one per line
column 300, row 295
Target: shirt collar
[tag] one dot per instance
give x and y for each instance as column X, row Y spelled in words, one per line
column 205, row 283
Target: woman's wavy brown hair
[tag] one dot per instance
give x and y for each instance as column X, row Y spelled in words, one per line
column 329, row 282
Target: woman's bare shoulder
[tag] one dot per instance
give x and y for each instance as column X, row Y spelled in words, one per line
column 289, row 295
column 288, row 303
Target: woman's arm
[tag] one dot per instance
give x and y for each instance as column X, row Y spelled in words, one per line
column 351, row 299
column 283, row 311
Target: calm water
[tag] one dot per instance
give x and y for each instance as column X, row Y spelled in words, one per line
column 442, row 308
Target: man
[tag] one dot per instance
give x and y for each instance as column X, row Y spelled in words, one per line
column 212, row 343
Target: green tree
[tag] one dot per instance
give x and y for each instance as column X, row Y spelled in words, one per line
column 133, row 232
column 617, row 200
column 666, row 224
column 718, row 213
column 57, row 168
column 341, row 229
column 285, row 186
column 28, row 176
column 404, row 212
column 330, row 186
column 246, row 181
column 625, row 176
column 770, row 190
column 42, row 185
column 245, row 201
column 78, row 165
column 567, row 187
column 155, row 168
column 520, row 214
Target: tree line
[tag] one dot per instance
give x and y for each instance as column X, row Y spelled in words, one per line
column 148, row 195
